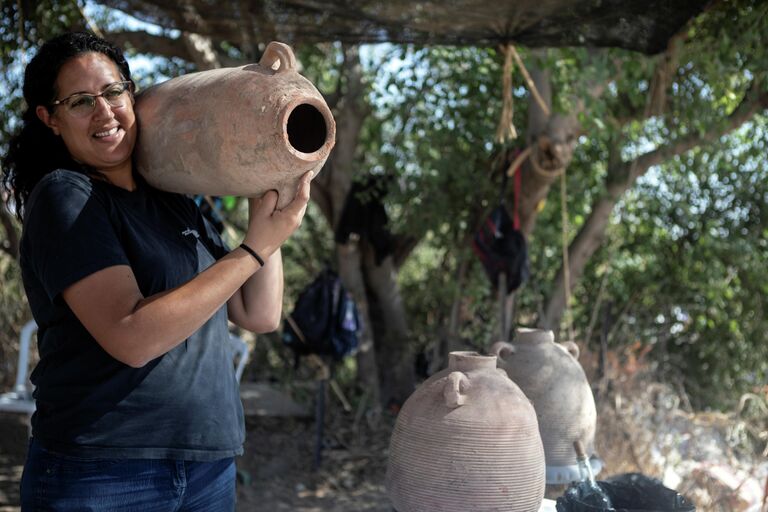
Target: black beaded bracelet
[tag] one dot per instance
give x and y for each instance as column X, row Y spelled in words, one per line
column 252, row 253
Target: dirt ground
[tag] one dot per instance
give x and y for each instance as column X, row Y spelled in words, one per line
column 646, row 432
column 13, row 448
column 275, row 473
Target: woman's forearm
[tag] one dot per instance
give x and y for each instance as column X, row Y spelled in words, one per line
column 257, row 306
column 135, row 329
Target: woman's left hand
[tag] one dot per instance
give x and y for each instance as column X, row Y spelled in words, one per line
column 269, row 227
column 257, row 306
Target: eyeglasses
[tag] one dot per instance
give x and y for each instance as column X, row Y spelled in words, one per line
column 82, row 104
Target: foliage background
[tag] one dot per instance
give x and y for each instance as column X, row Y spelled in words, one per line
column 681, row 270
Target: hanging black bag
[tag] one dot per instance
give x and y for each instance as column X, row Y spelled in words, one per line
column 501, row 245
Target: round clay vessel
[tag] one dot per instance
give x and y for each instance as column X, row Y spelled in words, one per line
column 234, row 131
column 466, row 440
column 550, row 375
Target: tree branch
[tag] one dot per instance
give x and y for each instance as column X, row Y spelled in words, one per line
column 754, row 100
column 201, row 50
column 191, row 47
column 144, row 42
column 350, row 114
column 620, row 179
column 333, row 98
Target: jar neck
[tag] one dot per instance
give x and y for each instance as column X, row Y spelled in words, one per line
column 534, row 336
column 468, row 361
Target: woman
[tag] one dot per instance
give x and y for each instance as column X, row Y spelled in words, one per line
column 137, row 404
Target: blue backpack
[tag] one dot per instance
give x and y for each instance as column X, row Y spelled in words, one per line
column 324, row 321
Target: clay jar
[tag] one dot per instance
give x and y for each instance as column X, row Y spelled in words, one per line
column 466, row 440
column 234, row 131
column 550, row 375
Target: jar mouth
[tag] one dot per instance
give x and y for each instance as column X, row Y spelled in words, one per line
column 308, row 128
column 464, row 361
column 534, row 336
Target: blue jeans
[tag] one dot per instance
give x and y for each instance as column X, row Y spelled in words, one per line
column 55, row 482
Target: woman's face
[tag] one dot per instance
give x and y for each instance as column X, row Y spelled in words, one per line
column 104, row 138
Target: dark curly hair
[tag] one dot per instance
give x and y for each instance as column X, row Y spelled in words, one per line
column 35, row 151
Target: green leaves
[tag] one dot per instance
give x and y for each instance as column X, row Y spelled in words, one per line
column 691, row 250
column 685, row 254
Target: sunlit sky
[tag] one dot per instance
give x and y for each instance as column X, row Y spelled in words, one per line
column 141, row 65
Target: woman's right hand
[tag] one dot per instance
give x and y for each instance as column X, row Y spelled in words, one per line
column 269, row 227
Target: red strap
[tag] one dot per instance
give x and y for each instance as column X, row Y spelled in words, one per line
column 516, row 207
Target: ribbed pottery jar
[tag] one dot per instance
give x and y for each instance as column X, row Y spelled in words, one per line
column 234, row 131
column 466, row 440
column 550, row 375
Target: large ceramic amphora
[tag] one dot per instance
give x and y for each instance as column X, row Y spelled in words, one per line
column 550, row 375
column 466, row 440
column 234, row 131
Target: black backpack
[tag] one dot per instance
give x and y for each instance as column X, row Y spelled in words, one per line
column 324, row 321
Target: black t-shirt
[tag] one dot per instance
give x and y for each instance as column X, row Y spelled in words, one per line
column 184, row 404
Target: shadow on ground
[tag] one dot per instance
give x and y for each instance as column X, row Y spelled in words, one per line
column 275, row 473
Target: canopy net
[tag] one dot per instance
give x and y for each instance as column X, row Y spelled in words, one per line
column 641, row 26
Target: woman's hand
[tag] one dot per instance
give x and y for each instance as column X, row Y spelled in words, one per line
column 257, row 305
column 269, row 227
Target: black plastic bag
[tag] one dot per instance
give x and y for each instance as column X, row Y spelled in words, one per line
column 501, row 248
column 630, row 492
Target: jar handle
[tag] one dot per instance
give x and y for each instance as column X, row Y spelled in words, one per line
column 278, row 57
column 502, row 349
column 455, row 389
column 572, row 348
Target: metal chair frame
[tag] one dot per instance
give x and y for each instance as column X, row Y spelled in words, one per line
column 20, row 400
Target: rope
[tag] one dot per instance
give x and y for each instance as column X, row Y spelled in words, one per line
column 518, row 161
column 529, row 81
column 598, row 302
column 526, row 153
column 566, row 269
column 88, row 21
column 544, row 173
column 506, row 130
column 514, row 170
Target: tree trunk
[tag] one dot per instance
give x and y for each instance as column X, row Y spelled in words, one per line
column 451, row 341
column 551, row 154
column 329, row 191
column 582, row 248
column 395, row 352
column 350, row 266
column 374, row 287
column 552, row 142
